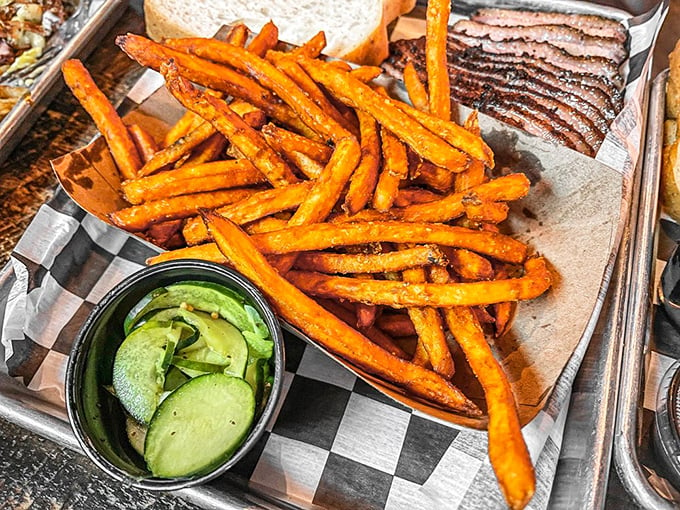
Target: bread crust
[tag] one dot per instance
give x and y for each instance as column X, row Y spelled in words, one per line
column 372, row 50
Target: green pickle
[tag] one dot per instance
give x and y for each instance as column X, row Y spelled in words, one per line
column 195, row 350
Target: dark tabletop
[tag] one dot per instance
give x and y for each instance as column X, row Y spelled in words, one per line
column 35, row 473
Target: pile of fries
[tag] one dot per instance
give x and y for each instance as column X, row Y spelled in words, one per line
column 370, row 224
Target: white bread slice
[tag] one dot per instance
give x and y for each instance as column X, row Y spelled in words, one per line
column 356, row 30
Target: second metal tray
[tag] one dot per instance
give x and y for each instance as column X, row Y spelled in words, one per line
column 635, row 462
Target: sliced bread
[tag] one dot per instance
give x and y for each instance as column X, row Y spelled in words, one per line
column 356, row 30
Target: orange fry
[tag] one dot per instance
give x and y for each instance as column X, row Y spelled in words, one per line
column 141, row 217
column 321, row 236
column 238, row 35
column 430, row 329
column 208, row 151
column 265, row 40
column 394, row 170
column 313, row 47
column 363, row 180
column 329, row 331
column 490, row 212
column 436, row 30
column 192, row 179
column 474, row 174
column 535, row 282
column 310, row 168
column 410, row 196
column 178, row 149
column 188, row 122
column 435, row 177
column 290, row 141
column 105, row 117
column 146, row 145
column 396, row 325
column 266, row 224
column 247, row 140
column 366, row 74
column 330, row 183
column 507, row 449
column 420, row 356
column 415, row 88
column 323, row 262
column 469, row 265
column 505, row 189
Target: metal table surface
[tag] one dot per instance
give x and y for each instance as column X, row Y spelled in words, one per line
column 36, row 473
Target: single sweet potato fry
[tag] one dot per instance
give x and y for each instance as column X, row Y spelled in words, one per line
column 410, row 196
column 146, row 145
column 105, row 117
column 290, row 141
column 503, row 189
column 436, row 30
column 238, row 35
column 141, row 217
column 488, row 212
column 188, row 122
column 396, row 324
column 507, row 449
column 366, row 74
column 319, row 236
column 535, row 282
column 439, row 179
column 415, row 88
column 266, row 39
column 364, row 178
column 430, row 329
column 210, row 150
column 475, row 173
column 394, row 170
column 182, row 180
column 469, row 265
column 347, row 263
column 178, row 149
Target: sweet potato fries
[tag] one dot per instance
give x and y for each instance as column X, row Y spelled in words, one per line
column 371, row 225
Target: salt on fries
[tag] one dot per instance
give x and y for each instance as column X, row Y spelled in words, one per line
column 365, row 220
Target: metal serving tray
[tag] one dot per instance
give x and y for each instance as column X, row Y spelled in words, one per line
column 631, row 445
column 79, row 36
